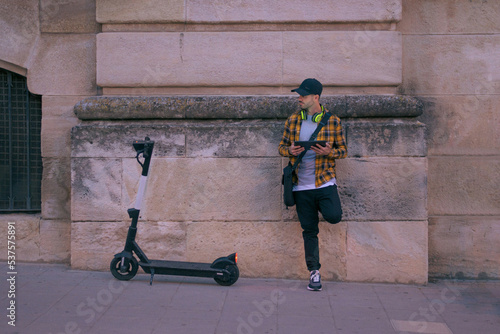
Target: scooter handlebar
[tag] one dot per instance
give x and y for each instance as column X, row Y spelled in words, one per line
column 144, row 146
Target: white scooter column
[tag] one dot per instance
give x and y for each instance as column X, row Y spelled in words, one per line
column 140, row 193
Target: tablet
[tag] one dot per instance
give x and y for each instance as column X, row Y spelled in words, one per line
column 307, row 144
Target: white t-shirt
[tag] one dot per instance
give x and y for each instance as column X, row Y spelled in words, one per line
column 307, row 166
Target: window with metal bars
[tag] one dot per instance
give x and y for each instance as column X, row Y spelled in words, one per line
column 20, row 152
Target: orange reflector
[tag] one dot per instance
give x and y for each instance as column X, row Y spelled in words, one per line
column 236, row 258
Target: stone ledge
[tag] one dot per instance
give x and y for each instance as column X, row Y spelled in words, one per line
column 154, row 11
column 240, row 107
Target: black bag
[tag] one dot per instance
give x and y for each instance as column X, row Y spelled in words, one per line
column 288, row 185
column 287, row 179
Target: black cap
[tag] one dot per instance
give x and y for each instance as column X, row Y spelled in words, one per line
column 308, row 87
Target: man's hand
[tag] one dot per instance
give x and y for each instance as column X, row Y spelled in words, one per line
column 295, row 150
column 322, row 150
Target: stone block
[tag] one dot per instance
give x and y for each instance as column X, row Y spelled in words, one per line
column 115, row 141
column 20, row 28
column 267, row 249
column 56, row 136
column 63, row 64
column 163, row 240
column 28, row 239
column 247, row 58
column 60, row 106
column 55, row 240
column 56, row 188
column 318, row 11
column 332, row 252
column 212, row 189
column 93, row 244
column 188, row 59
column 383, row 188
column 256, row 139
column 130, row 185
column 431, row 64
column 37, row 239
column 394, row 252
column 464, row 185
column 343, row 57
column 385, row 138
column 450, row 17
column 145, row 11
column 464, row 247
column 27, row 228
column 462, row 125
column 96, row 189
column 69, row 16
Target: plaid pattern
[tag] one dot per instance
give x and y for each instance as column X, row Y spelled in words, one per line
column 332, row 132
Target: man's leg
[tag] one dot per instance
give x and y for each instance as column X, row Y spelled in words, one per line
column 307, row 212
column 329, row 204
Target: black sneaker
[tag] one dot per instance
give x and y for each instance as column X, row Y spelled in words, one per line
column 314, row 281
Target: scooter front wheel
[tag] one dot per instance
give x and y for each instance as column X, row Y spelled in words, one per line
column 233, row 277
column 129, row 271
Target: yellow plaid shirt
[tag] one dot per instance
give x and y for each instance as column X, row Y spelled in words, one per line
column 325, row 164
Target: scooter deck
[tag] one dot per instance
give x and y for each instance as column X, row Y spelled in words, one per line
column 180, row 268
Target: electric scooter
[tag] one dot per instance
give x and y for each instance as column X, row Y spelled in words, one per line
column 124, row 265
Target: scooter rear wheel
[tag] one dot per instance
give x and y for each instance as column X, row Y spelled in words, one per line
column 233, row 277
column 130, row 271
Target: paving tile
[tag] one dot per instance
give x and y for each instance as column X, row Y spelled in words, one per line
column 477, row 323
column 136, row 291
column 306, row 323
column 188, row 322
column 314, row 303
column 198, row 297
column 361, row 324
column 420, row 314
column 420, row 327
column 354, row 312
column 398, row 297
column 124, row 324
column 351, row 291
column 251, row 321
column 62, row 325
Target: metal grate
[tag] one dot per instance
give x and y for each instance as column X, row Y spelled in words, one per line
column 20, row 153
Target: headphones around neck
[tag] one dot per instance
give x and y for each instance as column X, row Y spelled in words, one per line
column 316, row 117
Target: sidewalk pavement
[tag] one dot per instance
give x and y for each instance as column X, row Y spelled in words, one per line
column 52, row 298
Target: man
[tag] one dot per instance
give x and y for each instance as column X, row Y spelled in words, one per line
column 315, row 188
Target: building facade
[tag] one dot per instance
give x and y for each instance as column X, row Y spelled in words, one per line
column 416, row 84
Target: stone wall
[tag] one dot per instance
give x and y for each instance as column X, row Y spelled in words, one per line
column 452, row 61
column 215, row 185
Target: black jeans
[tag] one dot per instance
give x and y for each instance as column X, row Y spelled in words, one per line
column 309, row 203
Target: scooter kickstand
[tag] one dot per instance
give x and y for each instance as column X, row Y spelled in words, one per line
column 152, row 274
